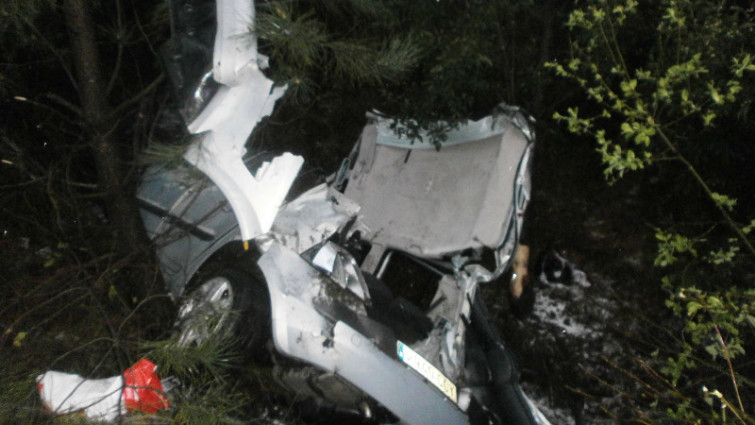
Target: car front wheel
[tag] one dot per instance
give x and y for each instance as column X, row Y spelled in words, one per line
column 226, row 303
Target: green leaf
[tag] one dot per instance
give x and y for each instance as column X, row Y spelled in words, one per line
column 629, row 87
column 708, row 400
column 713, row 350
column 18, row 339
column 693, row 307
column 715, row 95
column 715, row 302
column 627, row 130
column 723, row 201
column 708, row 118
column 747, row 229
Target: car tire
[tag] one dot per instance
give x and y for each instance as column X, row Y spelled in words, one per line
column 226, row 303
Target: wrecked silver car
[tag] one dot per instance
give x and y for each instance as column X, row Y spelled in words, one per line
column 330, row 276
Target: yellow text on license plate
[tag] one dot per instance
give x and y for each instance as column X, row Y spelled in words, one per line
column 427, row 370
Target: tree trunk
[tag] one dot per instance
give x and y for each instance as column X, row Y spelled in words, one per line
column 101, row 125
column 548, row 20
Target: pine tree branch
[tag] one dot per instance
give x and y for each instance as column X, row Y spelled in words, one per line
column 133, row 99
column 55, row 51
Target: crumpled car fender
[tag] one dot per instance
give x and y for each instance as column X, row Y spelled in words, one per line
column 301, row 332
column 245, row 97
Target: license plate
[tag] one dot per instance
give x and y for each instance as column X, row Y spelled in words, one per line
column 427, row 370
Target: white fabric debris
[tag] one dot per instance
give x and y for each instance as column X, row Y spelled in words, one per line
column 99, row 399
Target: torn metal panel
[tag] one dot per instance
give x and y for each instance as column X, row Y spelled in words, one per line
column 255, row 199
column 522, row 193
column 310, row 219
column 245, row 97
column 431, row 203
column 449, row 310
column 235, row 46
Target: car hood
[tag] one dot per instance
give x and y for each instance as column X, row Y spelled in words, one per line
column 432, row 202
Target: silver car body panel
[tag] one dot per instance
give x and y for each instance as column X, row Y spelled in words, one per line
column 191, row 219
column 310, row 219
column 187, row 217
column 303, row 332
column 245, row 97
column 431, row 203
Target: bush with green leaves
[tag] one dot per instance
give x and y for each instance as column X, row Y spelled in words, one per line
column 670, row 87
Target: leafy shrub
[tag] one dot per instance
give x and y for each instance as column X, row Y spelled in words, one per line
column 661, row 76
